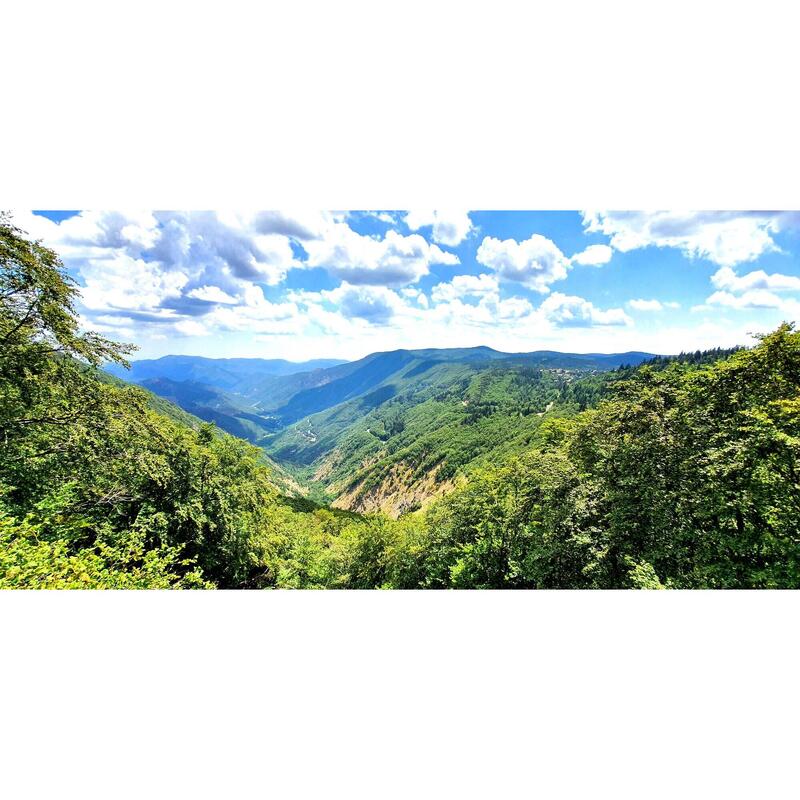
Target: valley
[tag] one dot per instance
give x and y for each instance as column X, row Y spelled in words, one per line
column 388, row 432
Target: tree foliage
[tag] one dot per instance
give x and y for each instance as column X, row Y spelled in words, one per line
column 90, row 475
column 686, row 478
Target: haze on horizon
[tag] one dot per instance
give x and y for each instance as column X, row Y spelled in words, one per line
column 342, row 285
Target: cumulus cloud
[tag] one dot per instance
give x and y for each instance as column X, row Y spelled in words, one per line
column 753, row 299
column 449, row 228
column 124, row 283
column 465, row 286
column 173, row 273
column 182, row 276
column 595, row 255
column 211, row 294
column 256, row 314
column 754, row 290
column 225, row 245
column 416, row 295
column 207, row 248
column 535, row 262
column 191, row 327
column 408, row 310
column 302, row 226
column 570, row 311
column 375, row 304
column 163, row 268
column 394, row 260
column 726, row 278
column 93, row 233
column 646, row 305
column 724, row 237
column 382, row 216
column 490, row 313
column 509, row 309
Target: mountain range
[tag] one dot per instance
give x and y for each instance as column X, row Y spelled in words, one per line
column 387, row 431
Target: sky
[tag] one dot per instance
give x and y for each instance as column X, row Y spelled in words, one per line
column 302, row 285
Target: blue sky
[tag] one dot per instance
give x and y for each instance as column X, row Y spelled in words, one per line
column 303, row 285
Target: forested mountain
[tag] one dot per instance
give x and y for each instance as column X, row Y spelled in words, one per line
column 287, row 391
column 399, row 445
column 388, row 431
column 477, row 469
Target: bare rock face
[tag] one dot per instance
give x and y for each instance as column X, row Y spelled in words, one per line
column 397, row 494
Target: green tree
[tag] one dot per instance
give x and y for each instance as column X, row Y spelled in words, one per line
column 140, row 485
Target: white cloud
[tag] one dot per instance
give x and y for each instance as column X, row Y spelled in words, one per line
column 535, row 262
column 489, row 311
column 726, row 278
column 382, row 216
column 217, row 242
column 211, row 294
column 124, row 283
column 753, row 291
column 375, row 304
column 191, row 327
column 646, row 305
column 754, row 299
column 595, row 255
column 568, row 310
column 724, row 237
column 349, row 308
column 227, row 247
column 449, row 228
column 174, row 278
column 207, row 268
column 150, row 256
column 417, row 295
column 510, row 309
column 270, row 318
column 490, row 314
column 179, row 273
column 394, row 260
column 465, row 286
column 256, row 314
column 300, row 225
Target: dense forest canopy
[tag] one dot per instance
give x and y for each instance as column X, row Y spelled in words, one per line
column 677, row 473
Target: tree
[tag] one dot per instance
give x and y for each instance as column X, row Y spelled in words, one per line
column 143, row 490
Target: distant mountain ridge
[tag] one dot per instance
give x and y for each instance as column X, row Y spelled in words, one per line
column 552, row 358
column 275, row 392
column 254, row 397
column 223, row 373
column 228, row 373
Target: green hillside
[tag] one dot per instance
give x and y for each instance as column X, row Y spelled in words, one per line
column 253, row 398
column 394, row 429
column 404, row 442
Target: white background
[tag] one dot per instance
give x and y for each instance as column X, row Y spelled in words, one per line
column 379, row 105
